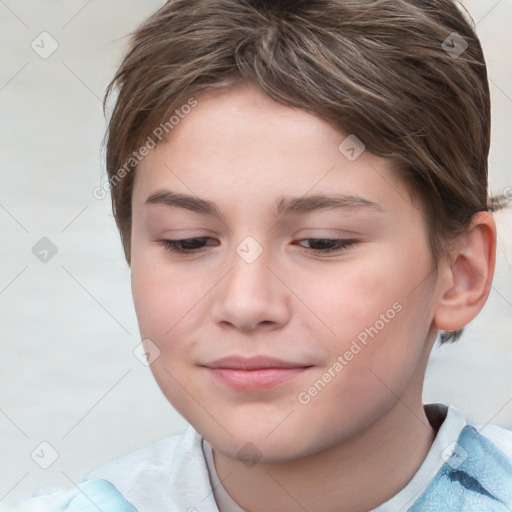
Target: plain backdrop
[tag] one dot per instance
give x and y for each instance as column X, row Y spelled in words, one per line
column 69, row 377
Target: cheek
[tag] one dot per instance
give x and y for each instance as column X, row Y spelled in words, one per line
column 162, row 296
column 378, row 314
column 354, row 296
column 165, row 302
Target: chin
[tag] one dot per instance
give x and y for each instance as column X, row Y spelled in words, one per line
column 264, row 441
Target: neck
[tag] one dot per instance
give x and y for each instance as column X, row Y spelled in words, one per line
column 382, row 458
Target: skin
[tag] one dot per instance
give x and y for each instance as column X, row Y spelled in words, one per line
column 360, row 440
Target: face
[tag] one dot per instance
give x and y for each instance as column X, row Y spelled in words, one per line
column 291, row 249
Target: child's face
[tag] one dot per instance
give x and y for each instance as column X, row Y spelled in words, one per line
column 358, row 321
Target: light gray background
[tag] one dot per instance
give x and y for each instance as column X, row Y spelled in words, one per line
column 68, row 327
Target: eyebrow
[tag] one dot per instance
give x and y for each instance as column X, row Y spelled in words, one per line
column 283, row 204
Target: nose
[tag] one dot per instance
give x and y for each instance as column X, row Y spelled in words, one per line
column 252, row 295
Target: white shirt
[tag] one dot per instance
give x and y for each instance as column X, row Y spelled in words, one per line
column 467, row 469
column 178, row 473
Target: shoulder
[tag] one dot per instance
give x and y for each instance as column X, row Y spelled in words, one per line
column 500, row 437
column 476, row 473
column 168, row 474
column 88, row 496
column 158, row 456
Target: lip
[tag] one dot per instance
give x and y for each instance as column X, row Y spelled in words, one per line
column 252, row 363
column 254, row 373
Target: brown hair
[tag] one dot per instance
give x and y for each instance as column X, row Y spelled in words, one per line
column 392, row 72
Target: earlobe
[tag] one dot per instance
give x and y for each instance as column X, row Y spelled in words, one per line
column 466, row 280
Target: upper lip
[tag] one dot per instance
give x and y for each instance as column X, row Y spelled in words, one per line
column 252, row 363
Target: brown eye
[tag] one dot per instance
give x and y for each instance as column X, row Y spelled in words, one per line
column 327, row 245
column 185, row 246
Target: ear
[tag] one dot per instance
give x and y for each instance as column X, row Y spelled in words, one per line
column 467, row 275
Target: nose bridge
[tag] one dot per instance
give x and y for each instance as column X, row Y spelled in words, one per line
column 249, row 275
column 250, row 293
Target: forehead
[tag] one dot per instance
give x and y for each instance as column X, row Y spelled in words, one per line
column 238, row 146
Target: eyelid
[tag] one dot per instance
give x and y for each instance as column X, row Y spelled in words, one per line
column 341, row 245
column 344, row 244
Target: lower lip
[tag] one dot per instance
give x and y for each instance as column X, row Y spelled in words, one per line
column 255, row 380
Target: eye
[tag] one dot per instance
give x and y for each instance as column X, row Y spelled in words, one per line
column 328, row 245
column 185, row 246
column 323, row 245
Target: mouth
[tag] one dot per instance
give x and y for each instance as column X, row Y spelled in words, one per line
column 255, row 373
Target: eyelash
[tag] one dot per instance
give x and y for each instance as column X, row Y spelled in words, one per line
column 342, row 245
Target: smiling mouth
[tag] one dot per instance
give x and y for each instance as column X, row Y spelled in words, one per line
column 254, row 374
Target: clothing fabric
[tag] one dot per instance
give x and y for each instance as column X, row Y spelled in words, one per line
column 468, row 469
column 91, row 496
